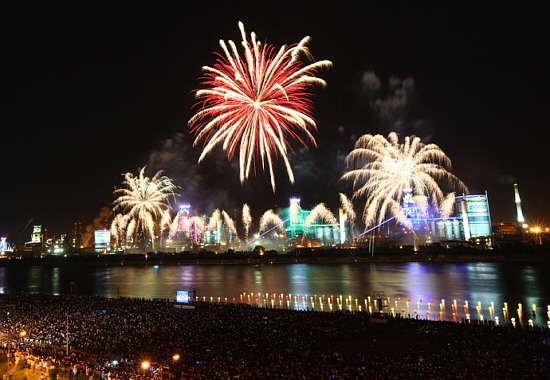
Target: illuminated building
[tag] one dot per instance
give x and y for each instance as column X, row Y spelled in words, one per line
column 102, row 240
column 59, row 246
column 476, row 218
column 296, row 218
column 36, row 245
column 184, row 215
column 36, row 236
column 506, row 228
column 5, row 247
column 472, row 220
column 193, row 232
column 300, row 232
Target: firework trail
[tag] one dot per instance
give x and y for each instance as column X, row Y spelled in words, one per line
column 165, row 223
column 229, row 223
column 196, row 228
column 131, row 230
column 254, row 103
column 247, row 220
column 119, row 226
column 213, row 221
column 386, row 171
column 447, row 204
column 347, row 206
column 269, row 218
column 144, row 203
column 174, row 226
column 321, row 212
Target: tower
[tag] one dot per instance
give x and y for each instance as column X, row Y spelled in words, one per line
column 77, row 235
column 184, row 215
column 36, row 236
column 521, row 219
column 296, row 217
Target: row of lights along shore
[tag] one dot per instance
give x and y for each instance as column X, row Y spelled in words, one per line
column 375, row 305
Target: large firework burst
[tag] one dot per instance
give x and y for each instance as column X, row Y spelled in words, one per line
column 253, row 104
column 142, row 205
column 385, row 171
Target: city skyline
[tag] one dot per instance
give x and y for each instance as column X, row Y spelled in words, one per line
column 97, row 90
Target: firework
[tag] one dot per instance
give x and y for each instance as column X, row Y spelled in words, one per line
column 349, row 213
column 174, row 226
column 254, row 103
column 118, row 228
column 247, row 220
column 446, row 206
column 386, row 171
column 229, row 223
column 144, row 205
column 269, row 218
column 321, row 212
column 196, row 228
column 213, row 220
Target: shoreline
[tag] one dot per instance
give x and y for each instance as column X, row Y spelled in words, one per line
column 187, row 259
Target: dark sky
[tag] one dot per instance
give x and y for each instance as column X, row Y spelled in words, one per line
column 95, row 89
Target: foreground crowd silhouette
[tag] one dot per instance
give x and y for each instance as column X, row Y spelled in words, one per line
column 111, row 338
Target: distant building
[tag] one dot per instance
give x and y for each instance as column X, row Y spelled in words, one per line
column 506, row 228
column 36, row 236
column 470, row 222
column 77, row 235
column 5, row 248
column 474, row 211
column 102, row 240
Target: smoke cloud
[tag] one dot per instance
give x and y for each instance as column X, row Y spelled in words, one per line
column 391, row 102
column 206, row 186
column 99, row 223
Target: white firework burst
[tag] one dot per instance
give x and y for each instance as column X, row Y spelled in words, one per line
column 384, row 170
column 144, row 204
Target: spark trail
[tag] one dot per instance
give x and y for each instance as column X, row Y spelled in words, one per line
column 321, row 212
column 269, row 218
column 349, row 213
column 247, row 220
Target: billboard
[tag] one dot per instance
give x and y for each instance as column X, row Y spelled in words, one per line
column 475, row 210
column 102, row 240
column 182, row 296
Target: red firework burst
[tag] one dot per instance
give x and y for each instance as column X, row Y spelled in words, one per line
column 255, row 103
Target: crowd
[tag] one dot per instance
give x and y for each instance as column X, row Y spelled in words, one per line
column 99, row 338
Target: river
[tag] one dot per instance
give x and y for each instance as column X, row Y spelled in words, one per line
column 433, row 290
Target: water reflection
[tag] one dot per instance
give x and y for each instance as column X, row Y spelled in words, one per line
column 447, row 291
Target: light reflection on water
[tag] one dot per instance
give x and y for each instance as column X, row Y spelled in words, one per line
column 479, row 289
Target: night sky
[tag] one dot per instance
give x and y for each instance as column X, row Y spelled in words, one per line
column 95, row 89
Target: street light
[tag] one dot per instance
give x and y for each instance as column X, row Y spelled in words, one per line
column 10, row 340
column 146, row 365
column 176, row 367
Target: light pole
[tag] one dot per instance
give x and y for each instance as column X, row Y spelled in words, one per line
column 146, row 365
column 10, row 340
column 176, row 359
column 67, row 335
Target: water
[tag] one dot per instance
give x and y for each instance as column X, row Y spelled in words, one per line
column 424, row 289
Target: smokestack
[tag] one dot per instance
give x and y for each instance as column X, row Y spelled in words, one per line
column 521, row 219
column 465, row 220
